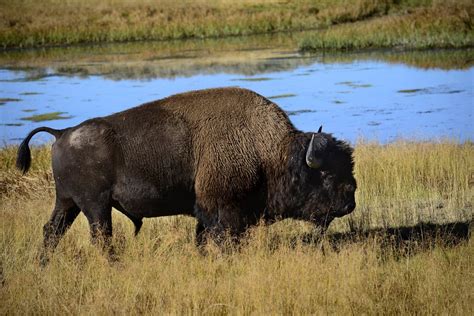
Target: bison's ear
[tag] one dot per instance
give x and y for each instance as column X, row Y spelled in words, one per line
column 316, row 146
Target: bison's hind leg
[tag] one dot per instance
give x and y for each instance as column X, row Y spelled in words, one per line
column 98, row 211
column 64, row 214
column 135, row 220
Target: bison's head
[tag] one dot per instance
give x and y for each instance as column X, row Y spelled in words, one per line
column 322, row 183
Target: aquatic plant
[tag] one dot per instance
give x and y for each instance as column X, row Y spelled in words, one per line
column 51, row 116
column 280, row 96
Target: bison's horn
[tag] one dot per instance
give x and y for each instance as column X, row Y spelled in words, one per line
column 311, row 160
column 320, row 129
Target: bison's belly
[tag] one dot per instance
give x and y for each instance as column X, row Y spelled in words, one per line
column 145, row 199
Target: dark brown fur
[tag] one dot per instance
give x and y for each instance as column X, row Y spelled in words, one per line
column 227, row 156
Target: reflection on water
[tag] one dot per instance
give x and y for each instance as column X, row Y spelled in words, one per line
column 379, row 95
column 250, row 56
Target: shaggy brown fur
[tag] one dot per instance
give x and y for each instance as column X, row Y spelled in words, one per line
column 227, row 156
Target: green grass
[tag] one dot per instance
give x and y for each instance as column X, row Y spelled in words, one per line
column 51, row 116
column 275, row 271
column 27, row 23
column 445, row 24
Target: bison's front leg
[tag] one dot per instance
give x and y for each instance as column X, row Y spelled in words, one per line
column 219, row 225
column 64, row 214
column 229, row 229
column 200, row 238
column 231, row 222
column 320, row 227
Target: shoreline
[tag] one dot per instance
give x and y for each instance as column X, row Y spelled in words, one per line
column 361, row 25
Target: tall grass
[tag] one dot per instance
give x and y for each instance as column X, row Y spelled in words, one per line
column 403, row 183
column 160, row 271
column 441, row 25
column 27, row 23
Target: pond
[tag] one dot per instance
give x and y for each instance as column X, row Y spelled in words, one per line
column 381, row 96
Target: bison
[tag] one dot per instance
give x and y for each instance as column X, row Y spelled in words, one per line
column 227, row 156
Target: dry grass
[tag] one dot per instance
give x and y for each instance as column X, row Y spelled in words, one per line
column 404, row 183
column 275, row 272
column 27, row 23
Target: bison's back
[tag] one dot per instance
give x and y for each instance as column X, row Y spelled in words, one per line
column 232, row 118
column 237, row 136
column 217, row 120
column 221, row 141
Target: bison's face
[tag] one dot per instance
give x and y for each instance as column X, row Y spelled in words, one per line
column 325, row 184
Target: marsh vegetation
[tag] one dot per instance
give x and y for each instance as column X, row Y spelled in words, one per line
column 423, row 23
column 443, row 24
column 45, row 116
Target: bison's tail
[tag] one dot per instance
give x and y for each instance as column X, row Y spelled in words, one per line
column 23, row 159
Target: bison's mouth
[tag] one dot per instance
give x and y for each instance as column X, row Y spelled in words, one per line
column 346, row 209
column 323, row 221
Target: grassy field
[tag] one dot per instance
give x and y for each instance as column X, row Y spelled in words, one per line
column 27, row 23
column 275, row 271
column 444, row 24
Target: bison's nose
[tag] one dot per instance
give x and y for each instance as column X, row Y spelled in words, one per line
column 349, row 207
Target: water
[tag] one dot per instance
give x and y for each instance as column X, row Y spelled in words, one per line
column 379, row 97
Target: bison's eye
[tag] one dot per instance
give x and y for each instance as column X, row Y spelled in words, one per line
column 349, row 187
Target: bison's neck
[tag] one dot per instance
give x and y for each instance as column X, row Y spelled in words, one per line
column 285, row 197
